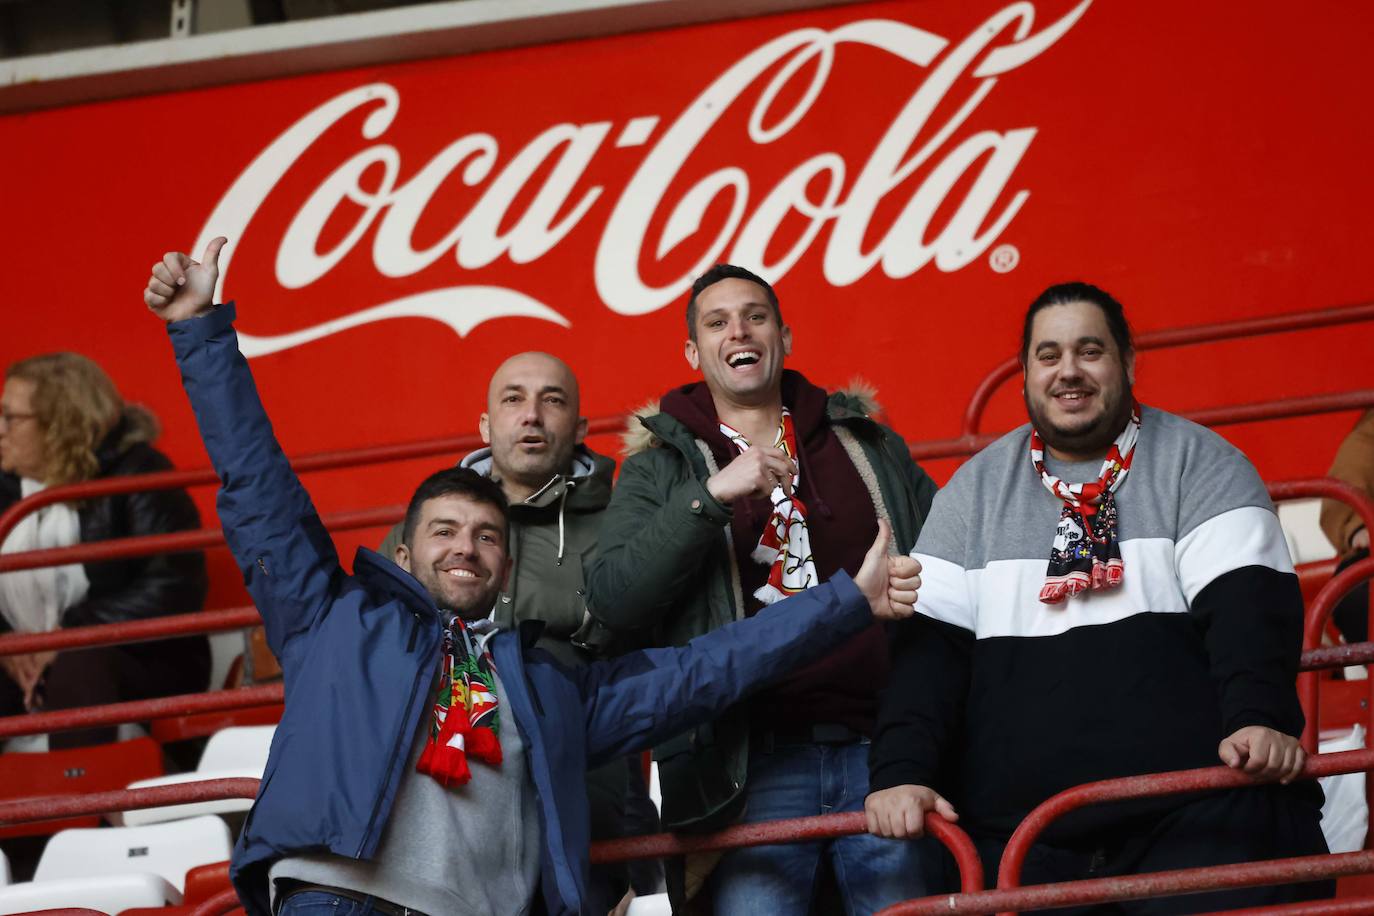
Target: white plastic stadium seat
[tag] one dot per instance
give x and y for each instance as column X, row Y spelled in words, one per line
column 104, row 894
column 4, row 868
column 162, row 849
column 238, row 751
column 652, row 905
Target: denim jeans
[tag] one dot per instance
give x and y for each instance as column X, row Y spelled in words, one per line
column 803, row 780
column 323, row 903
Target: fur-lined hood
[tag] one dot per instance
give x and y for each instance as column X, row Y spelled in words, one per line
column 859, row 398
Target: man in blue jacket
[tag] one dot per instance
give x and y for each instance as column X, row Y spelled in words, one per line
column 395, row 783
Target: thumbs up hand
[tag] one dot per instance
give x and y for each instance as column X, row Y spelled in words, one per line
column 889, row 583
column 180, row 287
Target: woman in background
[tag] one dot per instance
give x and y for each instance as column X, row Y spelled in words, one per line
column 63, row 421
column 1346, row 530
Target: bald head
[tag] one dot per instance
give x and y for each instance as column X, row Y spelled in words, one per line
column 532, row 422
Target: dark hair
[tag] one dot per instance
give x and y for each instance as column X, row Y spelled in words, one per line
column 452, row 482
column 727, row 272
column 1078, row 291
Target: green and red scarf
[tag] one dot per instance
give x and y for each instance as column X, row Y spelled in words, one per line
column 465, row 714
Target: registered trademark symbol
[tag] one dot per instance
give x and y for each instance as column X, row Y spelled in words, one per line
column 1004, row 259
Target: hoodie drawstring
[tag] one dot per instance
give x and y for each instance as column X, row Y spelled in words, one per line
column 562, row 505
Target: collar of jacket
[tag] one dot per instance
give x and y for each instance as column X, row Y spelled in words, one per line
column 649, row 426
column 587, row 488
column 378, row 574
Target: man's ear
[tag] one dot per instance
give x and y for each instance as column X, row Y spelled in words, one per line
column 1129, row 362
column 786, row 340
column 402, row 557
column 689, row 351
column 581, row 430
column 484, row 428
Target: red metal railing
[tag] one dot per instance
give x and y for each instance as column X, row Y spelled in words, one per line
column 1182, row 337
column 318, row 461
column 796, row 830
column 1010, row 896
column 1309, row 683
column 271, row 694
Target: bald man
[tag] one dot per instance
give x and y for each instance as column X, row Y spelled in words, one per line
column 558, row 489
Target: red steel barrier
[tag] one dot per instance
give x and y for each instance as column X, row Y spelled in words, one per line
column 173, row 542
column 1155, row 884
column 318, row 461
column 271, row 694
column 795, row 830
column 970, row 443
column 1182, row 337
column 60, row 807
column 1152, row 786
column 1309, row 682
column 126, row 631
column 36, row 723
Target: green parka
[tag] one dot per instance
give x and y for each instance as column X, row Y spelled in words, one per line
column 666, row 572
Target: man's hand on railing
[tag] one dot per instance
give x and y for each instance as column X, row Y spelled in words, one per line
column 1264, row 753
column 889, row 583
column 182, row 288
column 900, row 812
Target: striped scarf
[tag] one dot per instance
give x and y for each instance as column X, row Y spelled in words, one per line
column 785, row 546
column 467, row 687
column 1086, row 554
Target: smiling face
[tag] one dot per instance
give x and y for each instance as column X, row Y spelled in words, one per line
column 1077, row 382
column 740, row 344
column 531, row 422
column 458, row 553
column 23, row 449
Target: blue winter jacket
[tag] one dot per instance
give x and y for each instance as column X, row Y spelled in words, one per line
column 359, row 653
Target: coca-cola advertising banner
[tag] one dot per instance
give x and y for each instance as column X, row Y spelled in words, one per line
column 910, row 174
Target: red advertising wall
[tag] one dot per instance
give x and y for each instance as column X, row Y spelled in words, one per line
column 910, row 173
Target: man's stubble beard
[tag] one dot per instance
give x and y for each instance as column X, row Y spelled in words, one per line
column 1096, row 438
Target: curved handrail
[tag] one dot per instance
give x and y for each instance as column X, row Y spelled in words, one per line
column 1180, row 337
column 793, row 830
column 1151, row 785
column 1317, row 615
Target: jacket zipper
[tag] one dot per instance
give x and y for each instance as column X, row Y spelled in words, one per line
column 391, row 763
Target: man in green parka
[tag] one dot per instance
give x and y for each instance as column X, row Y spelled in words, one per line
column 738, row 490
column 558, row 491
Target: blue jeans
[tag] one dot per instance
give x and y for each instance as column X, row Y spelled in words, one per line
column 803, row 780
column 323, row 903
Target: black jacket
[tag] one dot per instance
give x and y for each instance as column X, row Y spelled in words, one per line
column 140, row 587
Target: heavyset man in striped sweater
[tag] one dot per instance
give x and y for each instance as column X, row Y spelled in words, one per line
column 1162, row 633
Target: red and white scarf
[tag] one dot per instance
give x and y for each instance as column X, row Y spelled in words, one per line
column 465, row 714
column 785, row 545
column 1085, row 553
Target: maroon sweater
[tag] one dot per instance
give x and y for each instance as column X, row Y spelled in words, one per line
column 842, row 687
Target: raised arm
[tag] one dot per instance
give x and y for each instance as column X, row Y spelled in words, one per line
column 287, row 558
column 643, row 698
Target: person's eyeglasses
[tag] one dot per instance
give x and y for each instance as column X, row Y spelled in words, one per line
column 12, row 417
